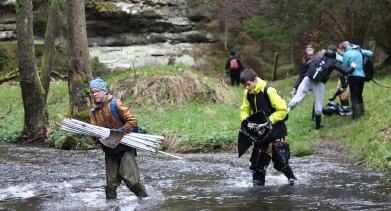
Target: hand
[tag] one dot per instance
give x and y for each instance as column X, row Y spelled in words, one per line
column 353, row 65
column 121, row 129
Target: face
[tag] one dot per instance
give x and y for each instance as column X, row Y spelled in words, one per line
column 340, row 51
column 250, row 85
column 98, row 94
column 310, row 52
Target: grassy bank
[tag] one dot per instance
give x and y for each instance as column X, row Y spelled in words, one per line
column 200, row 114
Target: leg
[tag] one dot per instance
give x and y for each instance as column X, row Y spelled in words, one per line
column 112, row 180
column 130, row 174
column 354, row 96
column 302, row 90
column 237, row 79
column 260, row 160
column 341, row 87
column 318, row 90
column 281, row 156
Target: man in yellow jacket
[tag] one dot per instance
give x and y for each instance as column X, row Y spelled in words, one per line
column 259, row 96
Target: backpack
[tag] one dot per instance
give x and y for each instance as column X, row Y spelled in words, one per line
column 318, row 69
column 233, row 65
column 113, row 109
column 367, row 67
column 279, row 94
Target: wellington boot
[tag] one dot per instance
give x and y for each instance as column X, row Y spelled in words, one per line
column 313, row 113
column 259, row 178
column 289, row 174
column 356, row 111
column 339, row 91
column 362, row 108
column 318, row 120
column 139, row 190
column 345, row 102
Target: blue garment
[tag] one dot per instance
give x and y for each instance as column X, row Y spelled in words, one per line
column 353, row 54
column 339, row 57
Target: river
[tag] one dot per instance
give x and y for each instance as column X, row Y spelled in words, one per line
column 39, row 178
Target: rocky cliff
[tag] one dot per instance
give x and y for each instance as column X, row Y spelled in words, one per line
column 130, row 33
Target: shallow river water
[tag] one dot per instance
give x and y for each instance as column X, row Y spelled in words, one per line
column 36, row 178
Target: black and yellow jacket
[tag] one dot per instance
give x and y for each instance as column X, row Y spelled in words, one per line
column 276, row 108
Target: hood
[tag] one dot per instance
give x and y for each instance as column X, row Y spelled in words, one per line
column 330, row 54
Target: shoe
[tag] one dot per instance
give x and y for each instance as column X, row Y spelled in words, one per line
column 292, row 181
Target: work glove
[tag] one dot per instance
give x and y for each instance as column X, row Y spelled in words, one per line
column 354, row 65
column 103, row 139
column 121, row 129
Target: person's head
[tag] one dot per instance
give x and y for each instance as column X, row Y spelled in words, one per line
column 249, row 79
column 332, row 48
column 98, row 89
column 308, row 53
column 345, row 44
column 232, row 53
column 340, row 49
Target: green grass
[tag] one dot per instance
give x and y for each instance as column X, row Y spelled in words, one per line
column 199, row 126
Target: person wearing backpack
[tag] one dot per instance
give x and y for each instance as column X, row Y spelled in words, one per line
column 356, row 80
column 120, row 161
column 275, row 109
column 234, row 67
column 318, row 73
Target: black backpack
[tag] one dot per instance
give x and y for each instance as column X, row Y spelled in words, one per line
column 318, row 69
column 368, row 67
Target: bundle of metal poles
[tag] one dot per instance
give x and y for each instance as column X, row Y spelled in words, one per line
column 149, row 143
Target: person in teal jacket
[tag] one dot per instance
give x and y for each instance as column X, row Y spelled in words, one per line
column 353, row 53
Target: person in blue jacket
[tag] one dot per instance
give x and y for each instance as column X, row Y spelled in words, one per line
column 353, row 53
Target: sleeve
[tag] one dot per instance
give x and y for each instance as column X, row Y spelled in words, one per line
column 301, row 76
column 367, row 53
column 227, row 64
column 241, row 67
column 277, row 103
column 245, row 109
column 130, row 121
column 339, row 68
column 93, row 122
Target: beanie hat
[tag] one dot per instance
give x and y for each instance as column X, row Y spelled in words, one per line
column 232, row 53
column 98, row 83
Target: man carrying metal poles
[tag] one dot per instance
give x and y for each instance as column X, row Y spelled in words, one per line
column 120, row 159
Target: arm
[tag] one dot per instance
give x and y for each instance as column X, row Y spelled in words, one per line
column 303, row 70
column 279, row 104
column 227, row 64
column 367, row 53
column 245, row 109
column 339, row 68
column 241, row 67
column 126, row 116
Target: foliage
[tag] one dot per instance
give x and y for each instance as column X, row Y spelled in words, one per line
column 98, row 69
column 3, row 57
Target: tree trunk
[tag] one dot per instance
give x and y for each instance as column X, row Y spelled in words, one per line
column 79, row 72
column 48, row 53
column 33, row 94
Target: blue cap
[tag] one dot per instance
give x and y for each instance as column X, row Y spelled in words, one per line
column 98, row 83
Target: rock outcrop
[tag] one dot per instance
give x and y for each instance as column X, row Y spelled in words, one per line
column 133, row 33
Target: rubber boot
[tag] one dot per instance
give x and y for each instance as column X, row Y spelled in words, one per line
column 111, row 194
column 313, row 112
column 259, row 178
column 356, row 111
column 289, row 174
column 139, row 190
column 362, row 108
column 339, row 91
column 318, row 119
column 345, row 102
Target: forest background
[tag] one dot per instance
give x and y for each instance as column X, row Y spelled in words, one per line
column 257, row 30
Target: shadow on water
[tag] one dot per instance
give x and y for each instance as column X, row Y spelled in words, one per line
column 34, row 178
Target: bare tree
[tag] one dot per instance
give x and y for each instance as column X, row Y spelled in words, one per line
column 33, row 94
column 79, row 72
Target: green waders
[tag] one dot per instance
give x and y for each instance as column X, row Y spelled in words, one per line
column 127, row 171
